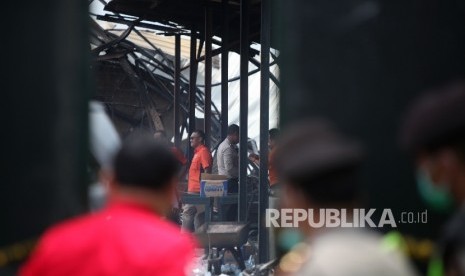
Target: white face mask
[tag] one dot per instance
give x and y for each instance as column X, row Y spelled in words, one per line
column 288, row 238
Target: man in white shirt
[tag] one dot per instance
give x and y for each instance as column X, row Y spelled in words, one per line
column 228, row 165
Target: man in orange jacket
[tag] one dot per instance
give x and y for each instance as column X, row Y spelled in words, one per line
column 201, row 163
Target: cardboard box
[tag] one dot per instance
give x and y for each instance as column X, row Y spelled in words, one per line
column 213, row 185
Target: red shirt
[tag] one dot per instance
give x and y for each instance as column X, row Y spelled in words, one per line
column 201, row 160
column 123, row 239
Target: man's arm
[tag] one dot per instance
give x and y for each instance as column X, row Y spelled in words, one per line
column 208, row 169
column 255, row 158
column 206, row 161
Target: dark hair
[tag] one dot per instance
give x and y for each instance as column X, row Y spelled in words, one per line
column 143, row 162
column 162, row 132
column 200, row 133
column 274, row 133
column 436, row 120
column 233, row 129
column 317, row 160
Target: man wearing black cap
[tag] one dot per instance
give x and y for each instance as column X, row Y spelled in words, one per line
column 318, row 168
column 434, row 132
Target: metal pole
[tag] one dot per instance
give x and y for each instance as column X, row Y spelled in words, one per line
column 224, row 71
column 272, row 77
column 57, row 115
column 208, row 75
column 192, row 86
column 264, row 126
column 244, row 108
column 177, row 78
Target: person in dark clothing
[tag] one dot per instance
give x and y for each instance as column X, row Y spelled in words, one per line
column 434, row 133
column 318, row 168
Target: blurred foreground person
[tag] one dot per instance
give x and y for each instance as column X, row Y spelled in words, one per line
column 434, row 132
column 129, row 236
column 318, row 168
